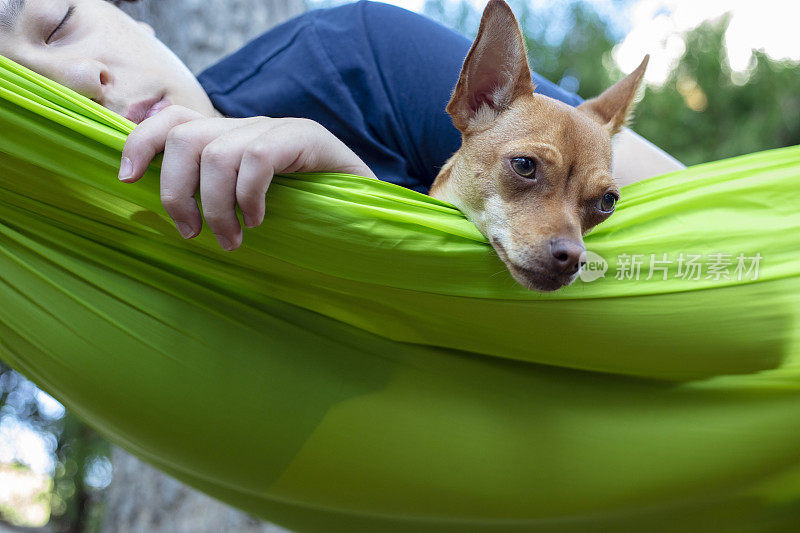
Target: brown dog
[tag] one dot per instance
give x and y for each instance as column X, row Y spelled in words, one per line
column 533, row 174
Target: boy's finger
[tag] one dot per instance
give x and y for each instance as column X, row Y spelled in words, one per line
column 276, row 146
column 256, row 171
column 180, row 179
column 149, row 138
column 218, row 164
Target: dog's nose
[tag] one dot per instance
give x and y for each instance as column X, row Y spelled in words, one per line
column 566, row 255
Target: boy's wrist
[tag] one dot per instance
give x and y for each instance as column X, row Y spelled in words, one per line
column 635, row 158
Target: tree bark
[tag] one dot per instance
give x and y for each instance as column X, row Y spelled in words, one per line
column 202, row 31
column 140, row 498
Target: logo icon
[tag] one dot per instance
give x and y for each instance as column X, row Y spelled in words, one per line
column 594, row 266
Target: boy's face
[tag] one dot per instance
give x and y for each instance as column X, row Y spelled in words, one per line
column 97, row 50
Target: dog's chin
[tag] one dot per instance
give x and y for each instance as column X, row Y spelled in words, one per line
column 532, row 278
column 538, row 280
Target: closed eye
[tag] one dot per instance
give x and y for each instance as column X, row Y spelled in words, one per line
column 67, row 16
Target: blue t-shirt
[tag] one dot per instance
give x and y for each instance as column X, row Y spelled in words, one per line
column 375, row 75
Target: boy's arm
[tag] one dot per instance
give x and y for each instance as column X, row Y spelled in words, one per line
column 635, row 158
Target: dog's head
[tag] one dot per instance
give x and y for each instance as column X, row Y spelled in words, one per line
column 533, row 174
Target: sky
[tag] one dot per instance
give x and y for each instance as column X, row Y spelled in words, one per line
column 656, row 27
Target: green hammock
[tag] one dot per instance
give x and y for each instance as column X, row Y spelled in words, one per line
column 365, row 363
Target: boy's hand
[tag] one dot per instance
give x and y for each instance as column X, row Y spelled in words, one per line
column 231, row 161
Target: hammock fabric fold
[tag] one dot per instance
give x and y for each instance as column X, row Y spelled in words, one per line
column 365, row 363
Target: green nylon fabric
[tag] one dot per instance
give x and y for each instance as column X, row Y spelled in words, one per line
column 365, row 363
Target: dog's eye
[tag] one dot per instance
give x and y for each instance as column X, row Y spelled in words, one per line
column 607, row 203
column 524, row 166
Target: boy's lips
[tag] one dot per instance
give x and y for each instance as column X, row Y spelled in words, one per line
column 138, row 112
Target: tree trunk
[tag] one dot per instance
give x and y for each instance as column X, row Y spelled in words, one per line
column 141, row 498
column 202, row 31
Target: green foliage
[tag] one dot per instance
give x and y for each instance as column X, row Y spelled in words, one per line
column 74, row 502
column 703, row 112
column 581, row 59
column 577, row 54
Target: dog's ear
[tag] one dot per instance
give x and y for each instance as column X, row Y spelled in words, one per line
column 496, row 69
column 613, row 108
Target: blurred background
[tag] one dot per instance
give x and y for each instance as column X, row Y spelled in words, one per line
column 723, row 80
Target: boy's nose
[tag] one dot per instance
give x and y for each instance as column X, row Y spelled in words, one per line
column 566, row 255
column 87, row 77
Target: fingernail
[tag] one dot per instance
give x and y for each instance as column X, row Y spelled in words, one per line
column 248, row 221
column 225, row 243
column 186, row 230
column 125, row 169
